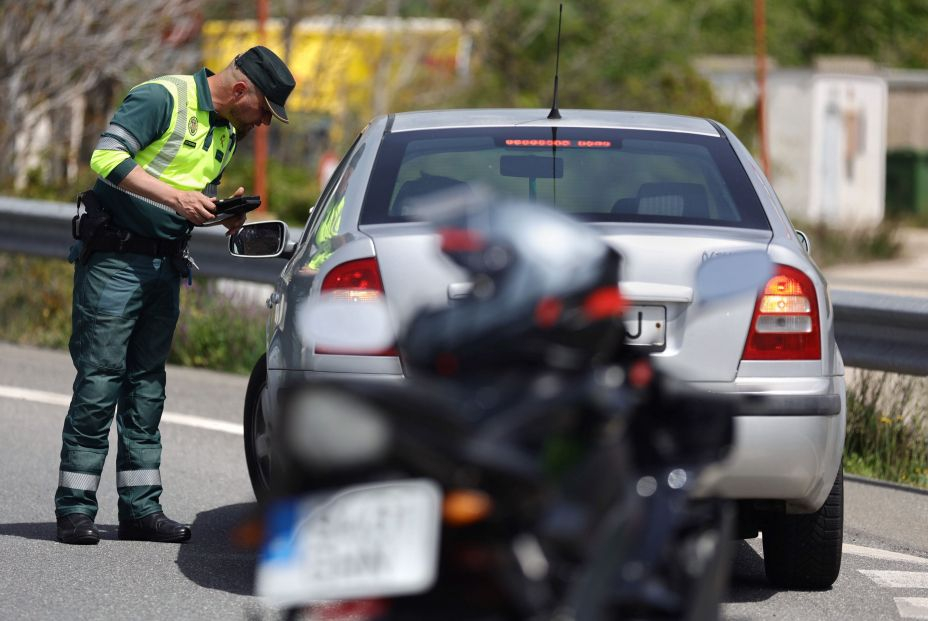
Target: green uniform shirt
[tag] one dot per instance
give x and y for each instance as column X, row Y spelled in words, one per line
column 148, row 115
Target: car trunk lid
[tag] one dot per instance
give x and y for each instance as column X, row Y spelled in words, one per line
column 700, row 342
column 694, row 342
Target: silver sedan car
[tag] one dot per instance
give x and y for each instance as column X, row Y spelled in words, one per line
column 669, row 192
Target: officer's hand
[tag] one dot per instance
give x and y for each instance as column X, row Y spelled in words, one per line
column 194, row 206
column 234, row 224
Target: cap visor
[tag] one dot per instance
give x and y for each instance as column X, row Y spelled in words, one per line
column 278, row 111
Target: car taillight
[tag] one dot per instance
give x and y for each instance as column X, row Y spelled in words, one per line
column 355, row 281
column 358, row 282
column 785, row 325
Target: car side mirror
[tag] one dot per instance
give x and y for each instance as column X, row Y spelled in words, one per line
column 804, row 241
column 262, row 240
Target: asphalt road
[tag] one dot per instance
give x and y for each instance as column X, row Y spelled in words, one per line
column 884, row 574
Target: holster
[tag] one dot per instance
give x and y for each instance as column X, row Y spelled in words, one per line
column 85, row 225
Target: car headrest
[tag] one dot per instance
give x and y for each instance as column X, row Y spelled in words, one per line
column 688, row 200
column 625, row 206
column 415, row 189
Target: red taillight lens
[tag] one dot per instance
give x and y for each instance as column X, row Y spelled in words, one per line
column 355, row 281
column 355, row 610
column 785, row 325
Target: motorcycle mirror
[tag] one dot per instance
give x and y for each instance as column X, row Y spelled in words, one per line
column 726, row 275
column 723, row 282
column 337, row 325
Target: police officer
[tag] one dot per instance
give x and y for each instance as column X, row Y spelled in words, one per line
column 159, row 163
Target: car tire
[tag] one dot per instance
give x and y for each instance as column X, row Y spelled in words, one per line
column 257, row 456
column 804, row 551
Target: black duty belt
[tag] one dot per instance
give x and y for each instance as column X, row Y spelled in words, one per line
column 123, row 241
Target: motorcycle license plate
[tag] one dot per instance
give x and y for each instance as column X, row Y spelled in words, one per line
column 646, row 326
column 364, row 541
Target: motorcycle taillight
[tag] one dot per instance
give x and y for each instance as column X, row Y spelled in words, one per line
column 353, row 610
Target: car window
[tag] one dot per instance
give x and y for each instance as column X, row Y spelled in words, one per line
column 598, row 174
column 324, row 227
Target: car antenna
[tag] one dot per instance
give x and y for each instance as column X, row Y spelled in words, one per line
column 555, row 113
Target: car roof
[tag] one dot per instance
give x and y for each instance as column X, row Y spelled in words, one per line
column 502, row 117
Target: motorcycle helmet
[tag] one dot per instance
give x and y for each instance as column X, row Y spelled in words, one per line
column 545, row 291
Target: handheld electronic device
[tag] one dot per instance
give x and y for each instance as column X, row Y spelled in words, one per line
column 232, row 208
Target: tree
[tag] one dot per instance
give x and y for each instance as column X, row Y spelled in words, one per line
column 61, row 58
column 891, row 32
column 614, row 55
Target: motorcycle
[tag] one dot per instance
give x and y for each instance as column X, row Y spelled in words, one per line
column 532, row 466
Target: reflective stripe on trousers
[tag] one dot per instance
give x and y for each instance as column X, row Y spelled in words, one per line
column 138, row 478
column 78, row 480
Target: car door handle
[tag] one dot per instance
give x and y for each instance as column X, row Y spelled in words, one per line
column 460, row 290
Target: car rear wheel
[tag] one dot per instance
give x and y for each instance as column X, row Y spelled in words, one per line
column 257, row 439
column 804, row 551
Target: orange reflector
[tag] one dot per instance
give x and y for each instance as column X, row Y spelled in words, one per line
column 782, row 284
column 604, row 302
column 465, row 506
column 249, row 534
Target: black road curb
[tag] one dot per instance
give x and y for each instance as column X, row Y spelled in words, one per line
column 878, row 483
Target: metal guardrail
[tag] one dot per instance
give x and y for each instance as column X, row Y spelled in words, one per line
column 874, row 331
column 882, row 332
column 43, row 228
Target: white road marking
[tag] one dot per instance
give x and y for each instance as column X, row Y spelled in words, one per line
column 912, row 607
column 883, row 555
column 877, row 553
column 897, row 579
column 51, row 398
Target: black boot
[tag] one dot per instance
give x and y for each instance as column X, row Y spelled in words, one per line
column 154, row 527
column 78, row 529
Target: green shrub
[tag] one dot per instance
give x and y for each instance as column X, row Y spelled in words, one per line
column 832, row 245
column 215, row 334
column 886, row 432
column 214, row 331
column 35, row 301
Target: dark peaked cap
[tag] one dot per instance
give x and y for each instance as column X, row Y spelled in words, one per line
column 270, row 74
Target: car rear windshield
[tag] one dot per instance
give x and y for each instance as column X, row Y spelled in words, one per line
column 599, row 175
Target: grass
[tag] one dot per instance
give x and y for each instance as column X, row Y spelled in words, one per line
column 214, row 330
column 831, row 246
column 887, row 437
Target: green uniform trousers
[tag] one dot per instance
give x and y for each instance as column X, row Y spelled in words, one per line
column 125, row 308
